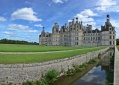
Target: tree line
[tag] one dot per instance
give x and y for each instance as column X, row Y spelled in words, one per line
column 117, row 40
column 7, row 41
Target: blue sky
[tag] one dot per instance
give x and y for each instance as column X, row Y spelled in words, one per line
column 24, row 19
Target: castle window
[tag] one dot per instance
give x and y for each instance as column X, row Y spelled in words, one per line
column 76, row 38
column 98, row 38
column 113, row 37
column 110, row 37
column 110, row 43
column 93, row 38
column 110, row 32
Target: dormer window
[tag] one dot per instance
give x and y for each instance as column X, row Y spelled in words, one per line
column 110, row 29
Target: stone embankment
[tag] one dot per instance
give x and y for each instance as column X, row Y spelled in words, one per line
column 116, row 67
column 18, row 73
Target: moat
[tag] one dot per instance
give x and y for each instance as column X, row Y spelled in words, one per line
column 95, row 74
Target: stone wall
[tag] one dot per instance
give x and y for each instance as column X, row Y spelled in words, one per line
column 17, row 73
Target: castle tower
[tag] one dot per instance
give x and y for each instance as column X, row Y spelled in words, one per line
column 108, row 33
column 42, row 38
column 55, row 35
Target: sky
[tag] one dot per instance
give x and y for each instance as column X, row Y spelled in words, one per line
column 24, row 19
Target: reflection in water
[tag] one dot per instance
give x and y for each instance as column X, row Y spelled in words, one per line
column 95, row 76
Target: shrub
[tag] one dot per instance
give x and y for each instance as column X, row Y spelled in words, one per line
column 76, row 67
column 51, row 76
column 28, row 83
column 71, row 71
column 42, row 82
column 83, row 65
column 92, row 61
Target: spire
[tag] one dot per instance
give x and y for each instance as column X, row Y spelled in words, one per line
column 43, row 33
column 55, row 24
column 65, row 25
column 43, row 28
column 108, row 18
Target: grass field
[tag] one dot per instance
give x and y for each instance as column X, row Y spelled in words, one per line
column 31, row 58
column 33, row 48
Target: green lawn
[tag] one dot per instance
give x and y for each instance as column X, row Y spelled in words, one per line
column 33, row 48
column 30, row 58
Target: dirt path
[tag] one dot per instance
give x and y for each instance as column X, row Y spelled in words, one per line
column 39, row 52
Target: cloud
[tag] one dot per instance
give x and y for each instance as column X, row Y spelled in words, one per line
column 88, row 12
column 105, row 5
column 115, row 23
column 59, row 1
column 25, row 14
column 30, row 30
column 10, row 34
column 89, row 78
column 2, row 19
column 27, row 2
column 86, row 17
column 38, row 25
column 16, row 27
column 69, row 20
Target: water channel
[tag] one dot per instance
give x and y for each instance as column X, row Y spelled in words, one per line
column 93, row 75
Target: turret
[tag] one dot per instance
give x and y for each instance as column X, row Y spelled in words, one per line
column 81, row 26
column 72, row 21
column 43, row 32
column 55, row 28
column 76, row 19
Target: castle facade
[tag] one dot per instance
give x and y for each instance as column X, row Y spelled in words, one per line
column 78, row 35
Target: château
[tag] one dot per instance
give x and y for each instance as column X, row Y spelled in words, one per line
column 76, row 34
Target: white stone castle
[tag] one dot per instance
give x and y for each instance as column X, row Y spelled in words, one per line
column 78, row 35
